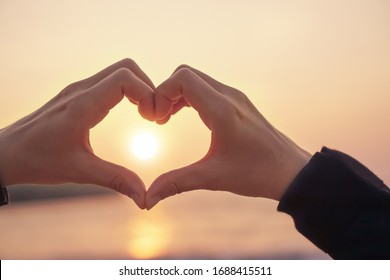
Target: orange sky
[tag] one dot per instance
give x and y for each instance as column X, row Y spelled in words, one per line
column 318, row 70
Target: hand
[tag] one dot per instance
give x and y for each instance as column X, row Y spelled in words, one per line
column 247, row 155
column 51, row 145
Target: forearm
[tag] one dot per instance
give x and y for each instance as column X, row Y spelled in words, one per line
column 340, row 206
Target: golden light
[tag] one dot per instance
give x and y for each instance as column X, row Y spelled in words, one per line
column 144, row 145
column 149, row 238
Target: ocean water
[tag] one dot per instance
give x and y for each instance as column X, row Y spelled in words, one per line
column 197, row 225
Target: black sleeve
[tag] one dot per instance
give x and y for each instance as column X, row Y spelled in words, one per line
column 340, row 206
column 4, row 197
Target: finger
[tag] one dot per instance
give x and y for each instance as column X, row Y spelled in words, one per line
column 179, row 105
column 87, row 83
column 115, row 177
column 164, row 120
column 211, row 81
column 102, row 97
column 185, row 84
column 193, row 177
column 174, row 109
column 124, row 63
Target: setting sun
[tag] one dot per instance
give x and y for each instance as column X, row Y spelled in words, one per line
column 144, row 145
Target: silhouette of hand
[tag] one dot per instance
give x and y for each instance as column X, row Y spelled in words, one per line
column 52, row 145
column 247, row 155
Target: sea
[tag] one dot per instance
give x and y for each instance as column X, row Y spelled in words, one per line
column 98, row 224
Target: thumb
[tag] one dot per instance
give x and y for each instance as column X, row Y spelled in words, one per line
column 192, row 177
column 118, row 178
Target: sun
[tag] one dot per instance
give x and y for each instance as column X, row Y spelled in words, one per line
column 144, row 145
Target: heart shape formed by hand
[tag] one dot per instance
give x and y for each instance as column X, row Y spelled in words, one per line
column 247, row 155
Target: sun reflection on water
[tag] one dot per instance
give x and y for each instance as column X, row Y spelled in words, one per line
column 149, row 236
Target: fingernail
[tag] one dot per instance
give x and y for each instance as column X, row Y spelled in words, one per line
column 151, row 202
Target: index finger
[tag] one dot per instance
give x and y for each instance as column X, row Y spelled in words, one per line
column 102, row 97
column 186, row 84
column 124, row 63
column 220, row 87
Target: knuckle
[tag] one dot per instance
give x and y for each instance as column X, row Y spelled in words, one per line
column 73, row 107
column 184, row 74
column 182, row 66
column 240, row 96
column 171, row 187
column 122, row 76
column 128, row 63
column 235, row 104
column 117, row 184
column 123, row 73
column 70, row 89
column 228, row 111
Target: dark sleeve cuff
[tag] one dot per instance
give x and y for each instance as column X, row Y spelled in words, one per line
column 4, row 197
column 341, row 207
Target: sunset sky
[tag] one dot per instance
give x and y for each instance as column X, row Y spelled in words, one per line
column 318, row 70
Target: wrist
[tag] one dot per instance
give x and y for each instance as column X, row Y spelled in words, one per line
column 7, row 155
column 4, row 197
column 294, row 161
column 2, row 156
